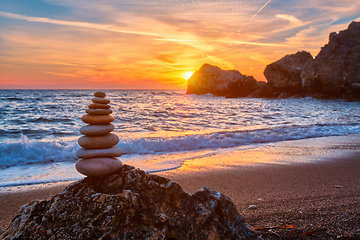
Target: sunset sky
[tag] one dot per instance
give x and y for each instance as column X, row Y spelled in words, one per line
column 152, row 44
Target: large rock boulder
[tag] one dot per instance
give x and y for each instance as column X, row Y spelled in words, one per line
column 211, row 79
column 335, row 71
column 129, row 204
column 263, row 90
column 284, row 74
column 229, row 83
column 242, row 87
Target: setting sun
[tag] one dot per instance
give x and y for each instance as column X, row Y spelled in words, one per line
column 60, row 45
column 188, row 74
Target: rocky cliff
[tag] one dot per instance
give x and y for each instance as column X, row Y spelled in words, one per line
column 333, row 74
column 284, row 74
column 129, row 204
column 335, row 71
column 229, row 83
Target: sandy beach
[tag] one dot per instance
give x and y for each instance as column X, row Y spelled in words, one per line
column 313, row 184
column 310, row 196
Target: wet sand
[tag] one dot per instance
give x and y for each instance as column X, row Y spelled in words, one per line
column 313, row 184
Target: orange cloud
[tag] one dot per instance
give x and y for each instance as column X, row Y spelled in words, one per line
column 151, row 44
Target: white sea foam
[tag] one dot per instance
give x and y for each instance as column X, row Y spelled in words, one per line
column 230, row 139
column 35, row 176
column 25, row 151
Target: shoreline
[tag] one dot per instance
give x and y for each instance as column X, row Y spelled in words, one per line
column 312, row 183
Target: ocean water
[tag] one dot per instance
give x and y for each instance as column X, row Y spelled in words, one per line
column 158, row 129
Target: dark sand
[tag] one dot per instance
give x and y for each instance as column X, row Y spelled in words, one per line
column 306, row 195
column 319, row 190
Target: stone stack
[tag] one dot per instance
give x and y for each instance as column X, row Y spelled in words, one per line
column 98, row 150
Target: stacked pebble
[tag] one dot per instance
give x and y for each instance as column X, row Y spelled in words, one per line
column 98, row 150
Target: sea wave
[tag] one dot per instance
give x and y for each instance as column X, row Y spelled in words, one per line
column 228, row 139
column 15, row 99
column 24, row 151
column 50, row 120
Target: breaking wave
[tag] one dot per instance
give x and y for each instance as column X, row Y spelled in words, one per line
column 25, row 152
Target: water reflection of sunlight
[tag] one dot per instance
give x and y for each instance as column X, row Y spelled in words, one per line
column 228, row 159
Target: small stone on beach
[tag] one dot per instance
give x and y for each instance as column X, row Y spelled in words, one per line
column 98, row 111
column 96, row 167
column 99, row 94
column 99, row 106
column 96, row 142
column 94, row 153
column 97, row 119
column 100, row 100
column 95, row 130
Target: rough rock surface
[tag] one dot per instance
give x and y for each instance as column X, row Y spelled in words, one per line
column 284, row 74
column 129, row 204
column 335, row 71
column 333, row 74
column 263, row 90
column 229, row 83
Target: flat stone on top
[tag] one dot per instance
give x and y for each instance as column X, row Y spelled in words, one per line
column 99, row 94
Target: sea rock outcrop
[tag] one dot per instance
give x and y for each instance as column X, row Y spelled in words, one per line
column 284, row 74
column 129, row 204
column 229, row 83
column 333, row 74
column 263, row 90
column 335, row 71
column 211, row 79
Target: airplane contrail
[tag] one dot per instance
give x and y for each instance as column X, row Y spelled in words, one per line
column 255, row 15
